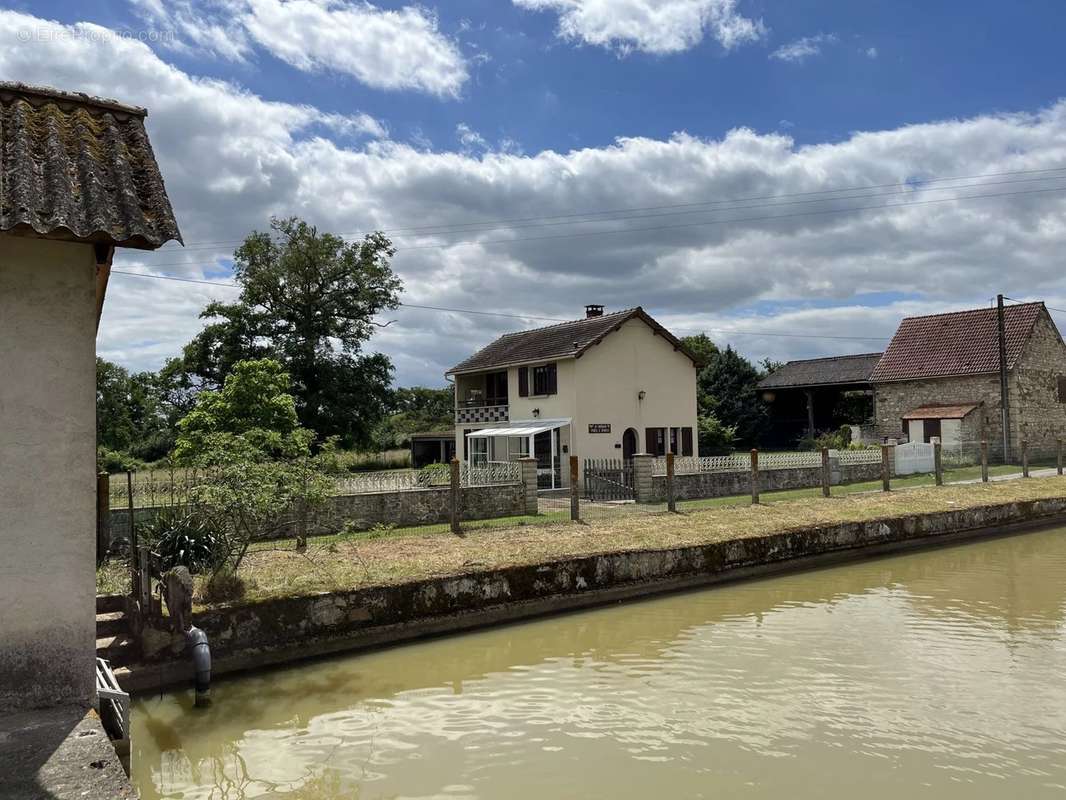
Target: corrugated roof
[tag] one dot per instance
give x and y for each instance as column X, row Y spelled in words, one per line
column 565, row 340
column 956, row 343
column 829, row 371
column 79, row 168
column 941, row 412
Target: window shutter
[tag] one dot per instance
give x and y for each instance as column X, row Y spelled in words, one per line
column 553, row 379
column 686, row 441
column 523, row 381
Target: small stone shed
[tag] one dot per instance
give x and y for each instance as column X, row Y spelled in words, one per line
column 78, row 178
column 940, row 377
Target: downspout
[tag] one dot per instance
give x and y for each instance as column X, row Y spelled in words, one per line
column 200, row 651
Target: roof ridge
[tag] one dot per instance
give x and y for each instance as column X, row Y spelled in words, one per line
column 569, row 322
column 31, row 92
column 972, row 311
column 836, row 358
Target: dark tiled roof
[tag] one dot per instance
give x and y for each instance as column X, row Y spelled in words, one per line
column 79, row 168
column 957, row 343
column 822, row 372
column 565, row 340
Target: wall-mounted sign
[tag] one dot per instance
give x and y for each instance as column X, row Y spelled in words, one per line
column 599, row 427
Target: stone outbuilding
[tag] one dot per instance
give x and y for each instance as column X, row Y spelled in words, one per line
column 78, row 178
column 939, row 377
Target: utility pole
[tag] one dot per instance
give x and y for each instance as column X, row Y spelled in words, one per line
column 1004, row 401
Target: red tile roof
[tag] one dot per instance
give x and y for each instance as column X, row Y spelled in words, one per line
column 941, row 412
column 957, row 343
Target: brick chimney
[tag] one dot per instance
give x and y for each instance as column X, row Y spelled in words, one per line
column 593, row 311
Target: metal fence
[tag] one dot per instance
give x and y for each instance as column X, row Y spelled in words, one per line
column 741, row 462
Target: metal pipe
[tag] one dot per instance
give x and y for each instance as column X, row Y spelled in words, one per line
column 200, row 650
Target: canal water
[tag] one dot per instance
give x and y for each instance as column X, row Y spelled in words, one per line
column 937, row 674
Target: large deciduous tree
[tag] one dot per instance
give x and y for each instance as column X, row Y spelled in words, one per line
column 727, row 395
column 309, row 300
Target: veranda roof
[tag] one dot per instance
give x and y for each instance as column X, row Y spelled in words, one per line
column 516, row 431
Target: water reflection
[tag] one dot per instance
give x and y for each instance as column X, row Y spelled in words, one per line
column 938, row 674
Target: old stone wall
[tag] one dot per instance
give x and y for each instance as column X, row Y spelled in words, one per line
column 392, row 613
column 705, row 485
column 893, row 400
column 406, row 508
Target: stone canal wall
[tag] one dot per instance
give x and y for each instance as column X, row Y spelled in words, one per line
column 247, row 636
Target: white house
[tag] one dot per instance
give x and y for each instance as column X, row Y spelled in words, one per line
column 78, row 178
column 606, row 386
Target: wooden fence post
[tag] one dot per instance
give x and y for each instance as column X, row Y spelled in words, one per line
column 456, row 496
column 938, row 463
column 886, row 470
column 671, row 502
column 1059, row 456
column 575, row 502
column 103, row 516
column 826, row 473
column 1025, row 458
column 984, row 461
column 754, row 476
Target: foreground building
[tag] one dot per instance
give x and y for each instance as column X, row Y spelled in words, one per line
column 78, row 178
column 607, row 386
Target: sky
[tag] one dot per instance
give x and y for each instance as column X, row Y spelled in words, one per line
column 791, row 177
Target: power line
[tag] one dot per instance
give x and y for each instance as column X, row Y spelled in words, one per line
column 915, row 185
column 521, row 316
column 652, row 229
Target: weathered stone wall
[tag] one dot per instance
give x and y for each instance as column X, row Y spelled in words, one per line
column 411, row 507
column 1037, row 416
column 893, row 400
column 392, row 613
column 705, row 485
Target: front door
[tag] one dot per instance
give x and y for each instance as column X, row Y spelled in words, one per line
column 629, row 443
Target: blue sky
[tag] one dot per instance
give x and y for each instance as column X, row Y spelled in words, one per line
column 389, row 115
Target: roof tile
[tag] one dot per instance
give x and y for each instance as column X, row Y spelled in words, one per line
column 834, row 370
column 956, row 343
column 79, row 168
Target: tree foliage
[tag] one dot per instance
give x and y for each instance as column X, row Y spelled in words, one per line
column 308, row 300
column 414, row 410
column 728, row 398
column 137, row 413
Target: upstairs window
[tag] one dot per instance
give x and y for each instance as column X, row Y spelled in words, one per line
column 538, row 381
column 1062, row 388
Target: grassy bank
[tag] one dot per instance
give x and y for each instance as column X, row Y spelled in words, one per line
column 392, row 556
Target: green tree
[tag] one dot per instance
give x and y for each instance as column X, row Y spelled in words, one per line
column 135, row 413
column 308, row 300
column 254, row 409
column 728, row 391
column 701, row 346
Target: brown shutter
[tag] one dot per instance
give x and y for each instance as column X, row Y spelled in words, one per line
column 553, row 379
column 523, row 381
column 686, row 441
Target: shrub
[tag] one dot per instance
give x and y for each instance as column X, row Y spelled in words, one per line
column 435, row 475
column 839, row 439
column 184, row 536
column 115, row 461
column 715, row 438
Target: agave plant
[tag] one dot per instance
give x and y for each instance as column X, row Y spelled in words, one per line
column 184, row 536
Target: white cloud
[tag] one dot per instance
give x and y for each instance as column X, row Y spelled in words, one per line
column 653, row 26
column 231, row 159
column 384, row 49
column 802, row 49
column 871, row 52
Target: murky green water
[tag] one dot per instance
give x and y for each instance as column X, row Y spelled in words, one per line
column 939, row 674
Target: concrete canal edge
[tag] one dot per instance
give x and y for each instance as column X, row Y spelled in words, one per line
column 274, row 632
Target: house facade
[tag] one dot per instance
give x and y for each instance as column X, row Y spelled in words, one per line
column 78, row 178
column 606, row 386
column 939, row 377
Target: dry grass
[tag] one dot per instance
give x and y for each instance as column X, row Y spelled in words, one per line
column 362, row 561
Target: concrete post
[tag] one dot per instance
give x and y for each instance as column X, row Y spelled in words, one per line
column 984, row 461
column 456, row 497
column 1059, row 455
column 754, row 477
column 575, row 502
column 103, row 516
column 1025, row 458
column 643, row 485
column 671, row 503
column 886, row 468
column 529, row 481
column 938, row 463
column 826, row 475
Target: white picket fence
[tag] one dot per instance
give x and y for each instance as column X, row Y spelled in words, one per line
column 741, row 462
